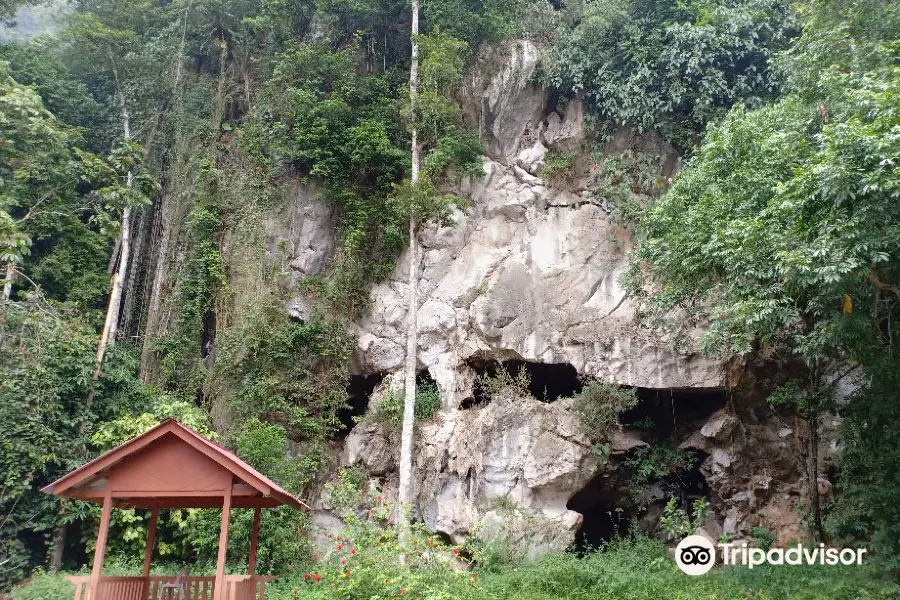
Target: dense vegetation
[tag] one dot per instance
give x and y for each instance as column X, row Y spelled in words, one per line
column 780, row 233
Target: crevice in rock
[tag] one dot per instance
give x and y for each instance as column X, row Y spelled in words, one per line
column 359, row 390
column 547, row 381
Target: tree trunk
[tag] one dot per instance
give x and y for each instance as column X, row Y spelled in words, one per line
column 409, row 390
column 111, row 324
column 813, row 477
column 59, row 545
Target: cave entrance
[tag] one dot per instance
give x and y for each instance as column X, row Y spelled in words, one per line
column 672, row 413
column 603, row 517
column 359, row 390
column 547, row 381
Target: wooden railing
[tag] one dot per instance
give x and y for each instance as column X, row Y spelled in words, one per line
column 237, row 587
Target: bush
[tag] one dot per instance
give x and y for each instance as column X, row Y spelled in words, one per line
column 44, row 586
column 762, row 537
column 599, row 405
column 389, row 411
column 505, row 383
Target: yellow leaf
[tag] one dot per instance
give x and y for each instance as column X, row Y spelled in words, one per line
column 847, row 305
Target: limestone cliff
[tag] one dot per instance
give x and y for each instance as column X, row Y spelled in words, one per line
column 530, row 272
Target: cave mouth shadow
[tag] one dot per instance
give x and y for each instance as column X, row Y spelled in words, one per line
column 548, row 382
column 604, row 517
column 670, row 414
column 359, row 391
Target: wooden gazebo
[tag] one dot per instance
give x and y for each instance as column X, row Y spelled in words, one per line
column 171, row 466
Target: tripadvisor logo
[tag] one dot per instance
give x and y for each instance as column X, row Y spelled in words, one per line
column 696, row 555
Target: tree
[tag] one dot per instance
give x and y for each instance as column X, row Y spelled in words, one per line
column 782, row 229
column 668, row 66
column 105, row 45
column 412, row 301
column 434, row 121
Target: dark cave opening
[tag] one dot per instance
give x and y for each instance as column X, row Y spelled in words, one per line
column 603, row 517
column 547, row 381
column 670, row 413
column 359, row 390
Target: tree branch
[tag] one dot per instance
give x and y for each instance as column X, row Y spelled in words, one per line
column 873, row 277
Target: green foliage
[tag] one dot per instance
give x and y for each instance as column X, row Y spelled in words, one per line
column 475, row 21
column 285, row 372
column 559, row 167
column 673, row 67
column 504, row 384
column 866, row 510
column 37, row 65
column 389, row 410
column 630, row 569
column 598, row 406
column 46, row 361
column 781, row 213
column 44, row 586
column 675, row 522
column 782, row 229
column 656, row 462
column 762, row 537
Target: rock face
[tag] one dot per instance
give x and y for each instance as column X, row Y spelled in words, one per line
column 510, row 467
column 531, row 272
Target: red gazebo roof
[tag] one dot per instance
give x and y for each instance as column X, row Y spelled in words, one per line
column 171, row 466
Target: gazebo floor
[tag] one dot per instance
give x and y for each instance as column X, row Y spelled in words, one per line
column 237, row 587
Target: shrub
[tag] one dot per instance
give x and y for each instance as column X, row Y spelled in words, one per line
column 675, row 521
column 389, row 411
column 763, row 537
column 559, row 167
column 599, row 405
column 44, row 586
column 505, row 383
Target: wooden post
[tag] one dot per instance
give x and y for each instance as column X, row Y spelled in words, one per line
column 219, row 591
column 254, row 540
column 148, row 551
column 100, row 549
column 254, row 545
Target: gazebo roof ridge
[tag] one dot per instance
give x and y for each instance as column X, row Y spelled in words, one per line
column 255, row 489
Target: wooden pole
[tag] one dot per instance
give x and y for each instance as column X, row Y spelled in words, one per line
column 151, row 539
column 254, row 540
column 254, row 545
column 219, row 590
column 148, row 550
column 100, row 549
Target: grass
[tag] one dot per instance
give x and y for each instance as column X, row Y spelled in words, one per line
column 634, row 569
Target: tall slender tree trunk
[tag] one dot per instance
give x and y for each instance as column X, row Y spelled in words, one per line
column 58, row 546
column 813, row 476
column 111, row 324
column 412, row 342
